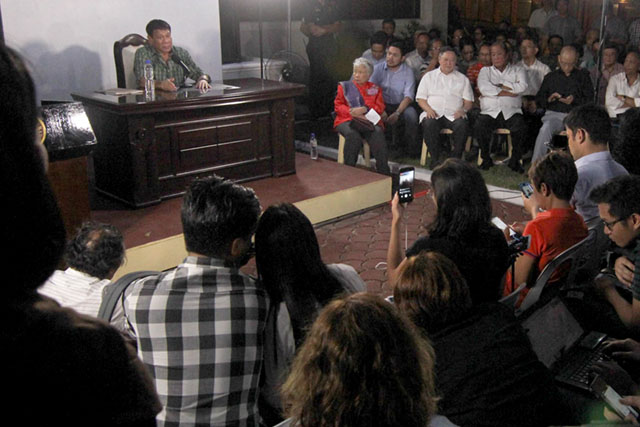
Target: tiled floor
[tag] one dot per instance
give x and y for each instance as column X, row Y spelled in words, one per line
column 362, row 240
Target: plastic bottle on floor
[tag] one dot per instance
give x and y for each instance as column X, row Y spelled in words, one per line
column 313, row 145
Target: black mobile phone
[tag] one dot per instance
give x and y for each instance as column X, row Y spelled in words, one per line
column 405, row 184
column 526, row 189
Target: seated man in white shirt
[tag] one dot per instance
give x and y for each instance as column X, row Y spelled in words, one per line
column 445, row 96
column 623, row 90
column 501, row 87
column 93, row 256
column 536, row 71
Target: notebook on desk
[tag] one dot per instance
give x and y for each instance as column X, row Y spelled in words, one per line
column 562, row 345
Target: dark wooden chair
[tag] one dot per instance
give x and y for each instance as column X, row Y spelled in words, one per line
column 124, row 52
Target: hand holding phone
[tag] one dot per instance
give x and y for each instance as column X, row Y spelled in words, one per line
column 503, row 226
column 526, row 189
column 612, row 398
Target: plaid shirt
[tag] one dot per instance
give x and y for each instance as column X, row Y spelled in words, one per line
column 165, row 70
column 200, row 333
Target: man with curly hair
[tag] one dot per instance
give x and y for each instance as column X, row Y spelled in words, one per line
column 93, row 256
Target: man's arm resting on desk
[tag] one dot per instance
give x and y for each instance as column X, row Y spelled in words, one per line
column 166, row 85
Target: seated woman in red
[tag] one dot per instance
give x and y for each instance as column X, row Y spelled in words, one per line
column 354, row 100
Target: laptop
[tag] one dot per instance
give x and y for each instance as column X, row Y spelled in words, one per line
column 562, row 345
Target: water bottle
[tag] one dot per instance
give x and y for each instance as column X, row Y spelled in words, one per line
column 149, row 87
column 313, row 144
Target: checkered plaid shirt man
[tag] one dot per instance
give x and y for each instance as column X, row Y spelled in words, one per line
column 165, row 70
column 199, row 330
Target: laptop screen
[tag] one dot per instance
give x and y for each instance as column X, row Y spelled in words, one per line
column 552, row 330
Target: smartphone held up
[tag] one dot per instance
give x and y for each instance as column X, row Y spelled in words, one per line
column 405, row 185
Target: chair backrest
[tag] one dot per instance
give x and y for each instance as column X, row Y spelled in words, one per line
column 601, row 244
column 574, row 256
column 124, row 52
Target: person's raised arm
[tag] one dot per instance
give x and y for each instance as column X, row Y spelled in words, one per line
column 394, row 253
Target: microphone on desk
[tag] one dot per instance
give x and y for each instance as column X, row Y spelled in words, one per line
column 181, row 63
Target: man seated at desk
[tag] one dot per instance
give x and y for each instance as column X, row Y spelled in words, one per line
column 171, row 64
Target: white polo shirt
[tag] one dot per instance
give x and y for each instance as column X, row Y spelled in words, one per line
column 445, row 93
column 535, row 75
column 489, row 80
column 618, row 85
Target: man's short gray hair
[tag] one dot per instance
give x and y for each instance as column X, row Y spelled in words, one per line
column 363, row 62
column 446, row 49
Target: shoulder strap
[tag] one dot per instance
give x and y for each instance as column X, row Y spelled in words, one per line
column 116, row 289
column 352, row 94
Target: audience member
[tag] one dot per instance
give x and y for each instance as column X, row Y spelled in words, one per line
column 610, row 67
column 389, row 28
column 486, row 370
column 398, row 89
column 619, row 208
column 564, row 24
column 63, row 366
column 297, row 290
column 199, row 326
column 362, row 364
column 467, row 55
column 554, row 225
column 416, row 58
column 168, row 72
column 501, row 87
column 376, row 54
column 353, row 100
column 626, row 149
column 590, row 62
column 615, row 29
column 456, row 37
column 445, row 96
column 484, row 60
column 554, row 46
column 634, row 34
column 536, row 71
column 432, row 61
column 623, row 89
column 462, row 231
column 93, row 256
column 562, row 90
column 587, row 57
column 541, row 15
column 479, row 36
column 320, row 24
column 588, row 131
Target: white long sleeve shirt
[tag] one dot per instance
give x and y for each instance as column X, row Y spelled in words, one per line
column 618, row 85
column 489, row 81
column 445, row 93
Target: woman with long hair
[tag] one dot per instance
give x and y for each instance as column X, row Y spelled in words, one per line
column 487, row 373
column 462, row 230
column 362, row 364
column 299, row 285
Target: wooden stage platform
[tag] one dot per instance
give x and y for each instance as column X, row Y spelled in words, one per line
column 324, row 190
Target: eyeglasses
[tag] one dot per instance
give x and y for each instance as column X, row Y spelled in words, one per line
column 610, row 225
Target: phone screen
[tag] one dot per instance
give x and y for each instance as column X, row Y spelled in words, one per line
column 405, row 186
column 502, row 225
column 526, row 189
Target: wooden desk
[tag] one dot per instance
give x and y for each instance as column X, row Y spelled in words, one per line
column 149, row 151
